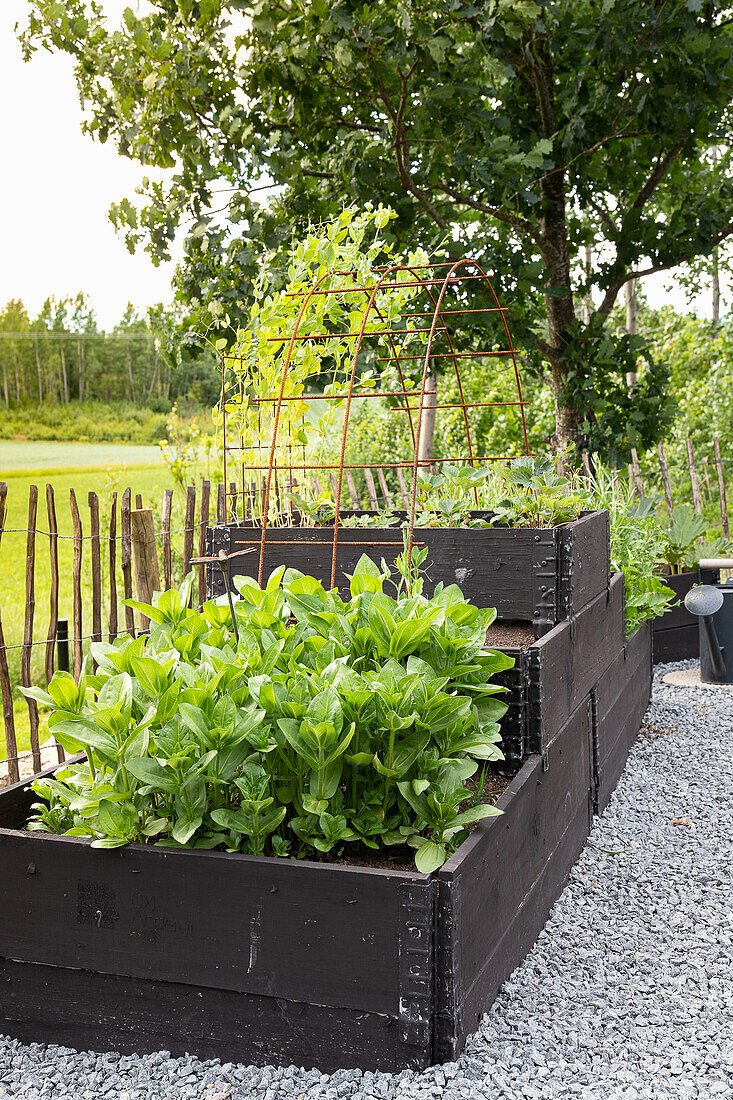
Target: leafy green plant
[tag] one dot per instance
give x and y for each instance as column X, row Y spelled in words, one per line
column 333, row 722
column 685, row 527
column 637, row 545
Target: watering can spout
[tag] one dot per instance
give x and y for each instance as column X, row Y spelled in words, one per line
column 704, row 600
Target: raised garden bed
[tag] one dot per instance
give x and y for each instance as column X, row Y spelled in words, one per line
column 540, row 576
column 265, row 960
column 676, row 634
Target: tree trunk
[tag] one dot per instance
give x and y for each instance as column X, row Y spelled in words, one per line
column 588, row 299
column 80, row 355
column 554, row 248
column 40, row 378
column 129, row 371
column 715, row 325
column 64, row 378
column 427, row 423
column 17, row 376
column 631, row 320
column 5, row 384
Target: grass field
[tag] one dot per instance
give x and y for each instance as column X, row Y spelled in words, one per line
column 85, row 468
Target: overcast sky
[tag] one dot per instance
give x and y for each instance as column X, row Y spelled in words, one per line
column 57, row 185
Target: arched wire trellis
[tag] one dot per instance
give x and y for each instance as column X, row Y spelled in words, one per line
column 440, row 296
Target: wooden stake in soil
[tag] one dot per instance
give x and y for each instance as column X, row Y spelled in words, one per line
column 11, row 746
column 76, row 584
column 93, row 500
column 721, row 488
column 112, row 568
column 665, row 479
column 203, row 524
column 221, row 504
column 166, row 537
column 53, row 550
column 383, row 486
column 126, row 559
column 144, row 559
column 30, row 607
column 693, row 479
column 371, row 490
column 188, row 528
column 636, row 471
column 403, row 489
column 356, row 503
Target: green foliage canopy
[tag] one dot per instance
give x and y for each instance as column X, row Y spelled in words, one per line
column 520, row 131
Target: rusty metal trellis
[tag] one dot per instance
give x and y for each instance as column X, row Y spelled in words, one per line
column 442, row 297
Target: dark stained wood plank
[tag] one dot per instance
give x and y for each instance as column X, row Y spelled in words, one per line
column 584, row 562
column 30, row 607
column 497, row 886
column 90, row 1011
column 267, row 926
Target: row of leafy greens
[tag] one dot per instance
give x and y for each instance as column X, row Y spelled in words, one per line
column 331, row 723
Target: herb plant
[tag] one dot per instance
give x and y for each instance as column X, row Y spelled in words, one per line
column 683, row 549
column 333, row 722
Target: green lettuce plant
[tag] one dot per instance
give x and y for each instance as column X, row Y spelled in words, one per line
column 332, row 722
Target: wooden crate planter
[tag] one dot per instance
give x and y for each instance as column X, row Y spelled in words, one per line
column 261, row 960
column 676, row 634
column 537, row 576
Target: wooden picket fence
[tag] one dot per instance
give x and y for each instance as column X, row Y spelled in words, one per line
column 701, row 480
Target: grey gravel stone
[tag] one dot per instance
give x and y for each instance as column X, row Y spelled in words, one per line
column 627, row 995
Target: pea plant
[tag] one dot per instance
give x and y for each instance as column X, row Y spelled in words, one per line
column 332, row 723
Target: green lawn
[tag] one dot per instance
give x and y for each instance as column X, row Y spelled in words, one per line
column 39, row 459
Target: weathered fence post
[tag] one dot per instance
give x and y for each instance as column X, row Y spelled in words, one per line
column 126, row 559
column 203, row 524
column 76, row 581
column 30, row 607
column 165, row 540
column 188, row 528
column 144, row 558
column 112, row 569
column 7, row 691
column 721, row 488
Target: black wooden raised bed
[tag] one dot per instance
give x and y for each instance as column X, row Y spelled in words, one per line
column 539, row 576
column 676, row 634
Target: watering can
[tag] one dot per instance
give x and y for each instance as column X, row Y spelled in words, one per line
column 713, row 604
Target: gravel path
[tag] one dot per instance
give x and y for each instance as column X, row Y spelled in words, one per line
column 627, row 994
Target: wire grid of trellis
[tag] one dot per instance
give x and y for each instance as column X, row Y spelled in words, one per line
column 415, row 317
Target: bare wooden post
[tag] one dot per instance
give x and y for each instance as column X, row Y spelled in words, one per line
column 203, row 524
column 144, row 559
column 166, row 538
column 383, row 486
column 221, row 503
column 112, row 568
column 126, row 559
column 636, row 471
column 30, row 607
column 403, row 488
column 693, row 479
column 11, row 745
column 53, row 549
column 721, row 488
column 316, row 486
column 352, row 490
column 188, row 528
column 93, row 500
column 371, row 490
column 664, row 471
column 138, row 500
column 76, row 584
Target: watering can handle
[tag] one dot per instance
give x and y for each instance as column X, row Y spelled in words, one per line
column 716, row 563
